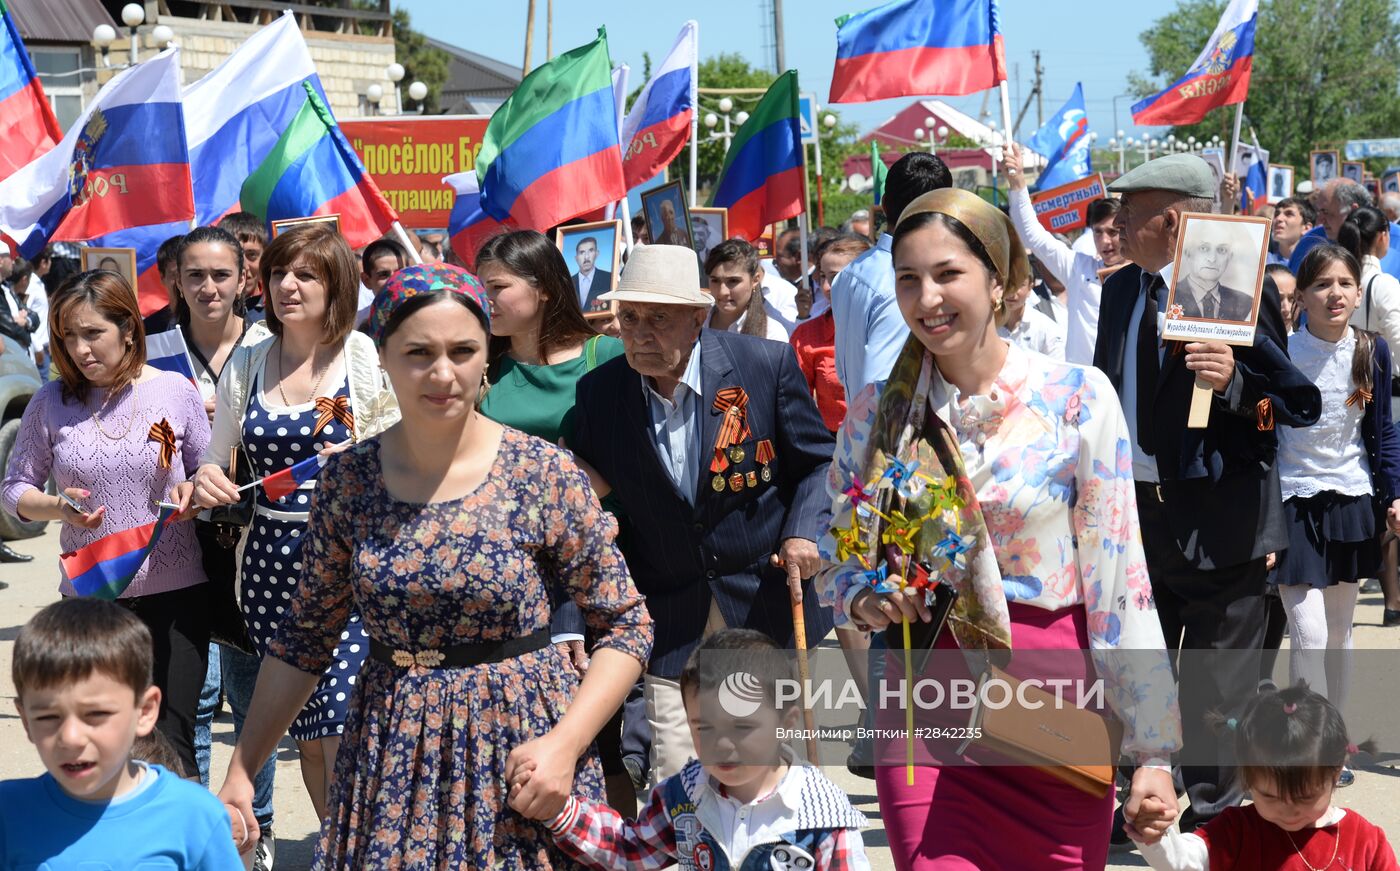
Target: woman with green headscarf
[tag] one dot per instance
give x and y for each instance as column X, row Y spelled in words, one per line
column 1006, row 475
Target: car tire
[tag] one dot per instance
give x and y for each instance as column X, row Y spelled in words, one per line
column 11, row 527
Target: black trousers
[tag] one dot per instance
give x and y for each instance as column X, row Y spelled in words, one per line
column 1216, row 620
column 179, row 624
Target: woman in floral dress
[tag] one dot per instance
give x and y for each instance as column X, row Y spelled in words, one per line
column 446, row 534
column 1039, row 454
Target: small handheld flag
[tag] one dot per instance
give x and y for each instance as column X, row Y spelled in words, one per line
column 280, row 485
column 761, row 182
column 878, row 170
column 918, row 48
column 468, row 227
column 168, row 352
column 106, row 567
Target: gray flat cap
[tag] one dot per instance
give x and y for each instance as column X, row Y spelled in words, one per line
column 1182, row 173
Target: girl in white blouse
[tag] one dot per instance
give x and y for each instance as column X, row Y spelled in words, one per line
column 1338, row 475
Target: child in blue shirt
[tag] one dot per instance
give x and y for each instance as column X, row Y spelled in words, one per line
column 82, row 673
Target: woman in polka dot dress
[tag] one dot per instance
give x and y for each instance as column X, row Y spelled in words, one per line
column 311, row 387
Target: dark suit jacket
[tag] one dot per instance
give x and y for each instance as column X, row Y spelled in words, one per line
column 602, row 283
column 1234, row 305
column 1220, row 482
column 20, row 330
column 681, row 555
column 1378, row 433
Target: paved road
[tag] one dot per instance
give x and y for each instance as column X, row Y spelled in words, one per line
column 33, row 585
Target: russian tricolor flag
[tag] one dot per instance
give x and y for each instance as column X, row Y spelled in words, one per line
column 30, row 126
column 122, row 165
column 468, row 227
column 918, row 48
column 658, row 126
column 551, row 150
column 235, row 114
column 167, row 351
column 105, row 568
column 280, row 485
column 762, row 178
column 1219, row 77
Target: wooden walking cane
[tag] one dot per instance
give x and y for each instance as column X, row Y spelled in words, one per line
column 799, row 631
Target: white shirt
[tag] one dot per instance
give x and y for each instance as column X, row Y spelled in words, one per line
column 585, row 284
column 363, row 304
column 675, row 426
column 783, row 294
column 774, row 329
column 1077, row 271
column 1037, row 332
column 1330, row 454
column 37, row 301
column 1380, row 312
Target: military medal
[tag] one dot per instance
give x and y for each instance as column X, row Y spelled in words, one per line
column 736, row 455
column 731, row 402
column 751, row 479
column 736, row 482
column 717, row 483
column 765, row 455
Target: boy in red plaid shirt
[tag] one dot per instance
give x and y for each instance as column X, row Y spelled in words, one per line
column 744, row 805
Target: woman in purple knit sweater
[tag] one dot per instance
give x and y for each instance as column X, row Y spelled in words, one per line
column 118, row 435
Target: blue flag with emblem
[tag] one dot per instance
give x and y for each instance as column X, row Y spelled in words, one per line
column 1064, row 141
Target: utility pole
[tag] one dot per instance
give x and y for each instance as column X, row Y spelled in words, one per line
column 1039, row 92
column 778, row 37
column 549, row 30
column 529, row 38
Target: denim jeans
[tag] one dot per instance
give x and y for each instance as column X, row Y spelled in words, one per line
column 237, row 672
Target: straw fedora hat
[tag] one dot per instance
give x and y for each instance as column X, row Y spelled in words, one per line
column 660, row 274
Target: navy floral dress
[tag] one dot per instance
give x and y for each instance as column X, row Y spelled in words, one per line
column 277, row 437
column 420, row 776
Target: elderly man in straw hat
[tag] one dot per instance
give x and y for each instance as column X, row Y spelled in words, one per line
column 713, row 444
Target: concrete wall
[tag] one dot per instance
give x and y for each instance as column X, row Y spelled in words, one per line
column 347, row 64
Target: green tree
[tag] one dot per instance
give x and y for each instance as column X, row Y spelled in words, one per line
column 421, row 61
column 1324, row 71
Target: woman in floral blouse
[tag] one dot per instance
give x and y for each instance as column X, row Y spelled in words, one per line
column 447, row 533
column 1047, row 554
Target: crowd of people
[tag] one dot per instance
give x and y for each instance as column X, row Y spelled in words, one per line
column 550, row 508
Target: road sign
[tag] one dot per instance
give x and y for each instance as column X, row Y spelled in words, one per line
column 807, row 117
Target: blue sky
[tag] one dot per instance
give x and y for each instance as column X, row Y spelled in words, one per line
column 1093, row 41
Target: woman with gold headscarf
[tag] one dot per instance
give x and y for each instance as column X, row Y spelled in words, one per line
column 1006, row 475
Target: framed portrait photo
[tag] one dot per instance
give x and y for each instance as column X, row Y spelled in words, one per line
column 1215, row 159
column 709, row 228
column 1280, row 182
column 278, row 227
column 1324, row 165
column 1390, row 182
column 1354, row 170
column 119, row 260
column 668, row 217
column 594, row 255
column 1218, row 275
column 764, row 243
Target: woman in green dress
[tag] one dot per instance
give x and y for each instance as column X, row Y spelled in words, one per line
column 541, row 345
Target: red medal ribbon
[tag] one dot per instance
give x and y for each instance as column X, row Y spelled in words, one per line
column 328, row 409
column 165, row 436
column 764, row 453
column 732, row 402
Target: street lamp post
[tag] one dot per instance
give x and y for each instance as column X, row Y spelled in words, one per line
column 396, row 74
column 726, row 106
column 418, row 92
column 373, row 94
column 132, row 16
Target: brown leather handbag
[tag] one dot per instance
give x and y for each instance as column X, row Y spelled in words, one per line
column 1075, row 745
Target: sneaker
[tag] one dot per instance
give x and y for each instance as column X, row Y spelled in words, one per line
column 637, row 771
column 1390, row 618
column 1370, row 585
column 266, row 850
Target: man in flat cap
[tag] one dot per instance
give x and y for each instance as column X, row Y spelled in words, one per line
column 713, row 445
column 1209, row 500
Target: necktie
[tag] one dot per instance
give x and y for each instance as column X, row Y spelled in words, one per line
column 1148, row 366
column 1212, row 305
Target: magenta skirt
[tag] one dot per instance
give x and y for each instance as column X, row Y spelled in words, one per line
column 1002, row 817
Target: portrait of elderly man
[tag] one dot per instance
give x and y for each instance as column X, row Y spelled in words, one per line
column 671, row 233
column 713, row 447
column 1205, row 258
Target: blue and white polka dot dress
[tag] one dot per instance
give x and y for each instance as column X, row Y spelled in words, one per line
column 275, row 438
